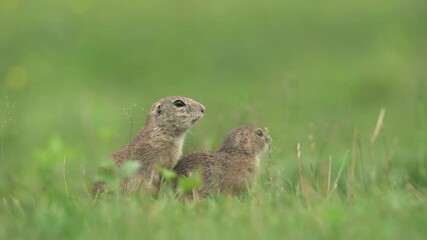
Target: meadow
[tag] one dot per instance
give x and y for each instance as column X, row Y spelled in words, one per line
column 341, row 86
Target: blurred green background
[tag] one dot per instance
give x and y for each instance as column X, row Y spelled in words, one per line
column 77, row 78
column 69, row 68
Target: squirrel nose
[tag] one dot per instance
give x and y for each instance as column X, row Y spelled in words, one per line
column 202, row 108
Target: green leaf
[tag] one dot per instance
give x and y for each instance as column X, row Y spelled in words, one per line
column 189, row 183
column 130, row 168
column 107, row 171
column 167, row 174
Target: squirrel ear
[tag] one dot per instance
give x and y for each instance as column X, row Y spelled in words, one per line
column 158, row 108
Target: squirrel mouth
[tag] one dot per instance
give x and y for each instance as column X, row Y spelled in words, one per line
column 195, row 119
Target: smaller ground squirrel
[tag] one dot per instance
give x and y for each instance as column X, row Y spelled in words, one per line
column 158, row 144
column 233, row 168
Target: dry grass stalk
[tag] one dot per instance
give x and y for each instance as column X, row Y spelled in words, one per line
column 390, row 156
column 339, row 173
column 18, row 206
column 313, row 173
column 304, row 189
column 352, row 169
column 354, row 155
column 414, row 191
column 378, row 126
column 65, row 178
column 329, row 176
column 5, row 202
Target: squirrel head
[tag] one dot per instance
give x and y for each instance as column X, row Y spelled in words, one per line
column 175, row 115
column 249, row 140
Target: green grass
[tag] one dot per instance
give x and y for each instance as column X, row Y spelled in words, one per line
column 77, row 78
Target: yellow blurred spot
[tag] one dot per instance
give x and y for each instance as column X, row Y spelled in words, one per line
column 79, row 6
column 9, row 4
column 16, row 77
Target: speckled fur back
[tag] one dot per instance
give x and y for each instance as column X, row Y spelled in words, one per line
column 233, row 168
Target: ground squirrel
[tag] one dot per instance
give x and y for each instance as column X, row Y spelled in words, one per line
column 233, row 168
column 158, row 143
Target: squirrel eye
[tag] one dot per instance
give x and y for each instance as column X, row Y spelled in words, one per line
column 179, row 103
column 259, row 133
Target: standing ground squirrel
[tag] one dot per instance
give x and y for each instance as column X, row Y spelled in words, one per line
column 158, row 144
column 234, row 167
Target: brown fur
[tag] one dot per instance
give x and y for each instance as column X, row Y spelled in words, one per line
column 233, row 168
column 158, row 144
